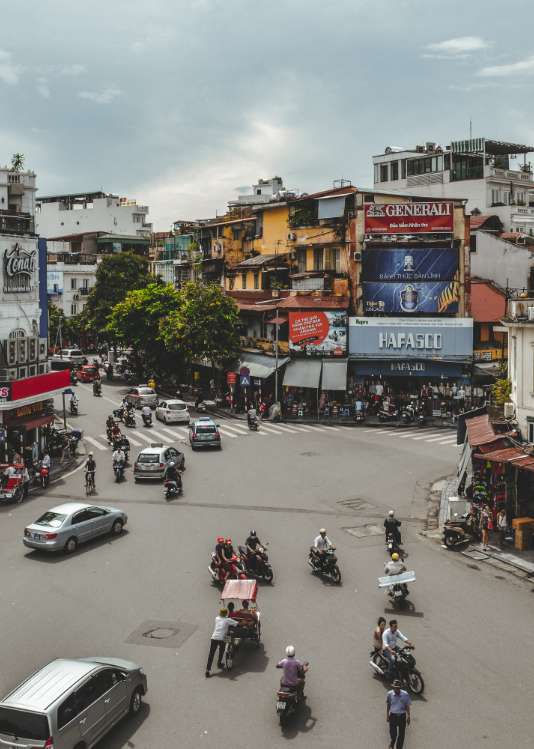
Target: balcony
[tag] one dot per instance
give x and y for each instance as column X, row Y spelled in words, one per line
column 16, row 223
column 509, row 174
column 84, row 291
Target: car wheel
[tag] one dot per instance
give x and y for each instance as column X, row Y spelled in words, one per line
column 116, row 528
column 71, row 545
column 136, row 701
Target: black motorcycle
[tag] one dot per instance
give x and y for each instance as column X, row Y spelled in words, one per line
column 460, row 531
column 388, row 414
column 261, row 569
column 97, row 388
column 123, row 443
column 253, row 423
column 74, row 408
column 393, row 546
column 404, row 669
column 325, row 564
column 118, row 470
column 359, row 417
column 147, row 419
column 173, row 488
column 129, row 419
column 408, row 415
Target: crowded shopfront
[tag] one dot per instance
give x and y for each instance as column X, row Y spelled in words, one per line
column 423, row 361
column 27, row 413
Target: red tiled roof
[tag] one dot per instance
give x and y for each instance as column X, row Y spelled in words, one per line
column 476, row 222
column 480, row 430
column 514, row 455
column 514, row 236
column 488, row 302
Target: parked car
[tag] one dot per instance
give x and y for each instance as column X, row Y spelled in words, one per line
column 64, row 527
column 141, row 396
column 204, row 432
column 88, row 373
column 71, row 355
column 153, row 461
column 173, row 411
column 71, row 703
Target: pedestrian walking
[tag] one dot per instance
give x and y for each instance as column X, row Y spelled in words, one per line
column 502, row 525
column 484, row 527
column 218, row 639
column 398, row 703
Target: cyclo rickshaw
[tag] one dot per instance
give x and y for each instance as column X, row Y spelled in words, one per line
column 249, row 627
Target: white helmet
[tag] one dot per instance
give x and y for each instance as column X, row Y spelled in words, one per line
column 290, row 651
column 391, row 513
column 322, row 531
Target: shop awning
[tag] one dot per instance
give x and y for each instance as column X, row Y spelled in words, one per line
column 514, row 455
column 303, row 373
column 39, row 421
column 278, row 320
column 334, row 375
column 259, row 365
column 480, row 431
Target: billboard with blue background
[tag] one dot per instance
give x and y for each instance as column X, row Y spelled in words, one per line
column 395, row 265
column 411, row 298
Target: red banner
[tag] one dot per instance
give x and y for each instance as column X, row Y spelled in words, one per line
column 308, row 328
column 38, row 385
column 408, row 218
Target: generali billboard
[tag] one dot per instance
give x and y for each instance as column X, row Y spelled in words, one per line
column 409, row 218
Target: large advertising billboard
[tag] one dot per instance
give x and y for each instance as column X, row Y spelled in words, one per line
column 396, row 265
column 409, row 218
column 405, row 338
column 318, row 333
column 441, row 297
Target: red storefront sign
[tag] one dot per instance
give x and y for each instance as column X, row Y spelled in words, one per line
column 308, row 328
column 231, row 378
column 32, row 386
column 409, row 218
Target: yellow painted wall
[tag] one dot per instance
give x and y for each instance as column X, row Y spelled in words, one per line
column 275, row 229
column 238, row 284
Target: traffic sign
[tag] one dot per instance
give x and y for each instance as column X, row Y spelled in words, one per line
column 231, row 378
column 244, row 380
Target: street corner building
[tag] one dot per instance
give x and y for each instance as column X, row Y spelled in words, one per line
column 26, row 386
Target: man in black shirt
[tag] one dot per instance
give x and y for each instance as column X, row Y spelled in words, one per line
column 391, row 526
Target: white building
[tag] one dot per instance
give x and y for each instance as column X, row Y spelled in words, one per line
column 70, row 278
column 520, row 325
column 489, row 174
column 83, row 213
column 264, row 191
column 17, row 200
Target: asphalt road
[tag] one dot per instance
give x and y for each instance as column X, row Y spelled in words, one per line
column 468, row 624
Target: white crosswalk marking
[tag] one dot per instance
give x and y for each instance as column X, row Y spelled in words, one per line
column 285, row 428
column 145, row 437
column 335, row 429
column 408, row 433
column 94, row 443
column 435, row 439
column 426, row 435
column 228, row 433
column 300, row 428
column 268, row 429
column 239, row 428
column 174, row 433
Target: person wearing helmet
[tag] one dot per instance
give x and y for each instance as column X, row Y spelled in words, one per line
column 228, row 549
column 173, row 474
column 321, row 544
column 391, row 527
column 254, row 550
column 395, row 565
column 293, row 676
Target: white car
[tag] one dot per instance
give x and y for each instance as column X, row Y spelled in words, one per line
column 141, row 396
column 173, row 412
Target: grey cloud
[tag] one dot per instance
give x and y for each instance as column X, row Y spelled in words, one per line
column 105, row 96
column 9, row 71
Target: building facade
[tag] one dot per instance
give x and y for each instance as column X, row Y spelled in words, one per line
column 493, row 176
column 70, row 278
column 519, row 322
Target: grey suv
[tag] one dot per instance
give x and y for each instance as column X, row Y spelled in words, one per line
column 71, row 704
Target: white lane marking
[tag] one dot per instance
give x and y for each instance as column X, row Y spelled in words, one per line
column 448, row 442
column 268, row 429
column 275, row 429
column 408, row 433
column 159, row 435
column 227, row 433
column 239, row 428
column 327, row 426
column 428, row 434
column 435, row 439
column 145, row 437
column 315, row 428
column 285, row 428
column 133, row 440
column 300, row 428
column 94, row 443
column 175, row 432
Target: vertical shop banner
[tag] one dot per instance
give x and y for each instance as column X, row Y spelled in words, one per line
column 409, row 218
column 411, row 298
column 318, row 333
column 396, row 265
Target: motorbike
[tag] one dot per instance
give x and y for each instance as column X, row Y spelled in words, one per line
column 129, row 419
column 393, row 546
column 122, row 443
column 73, row 377
column 421, row 419
column 44, row 475
column 118, row 470
column 262, row 570
column 234, row 570
column 173, row 488
column 147, row 419
column 408, row 415
column 253, row 423
column 73, row 408
column 287, row 701
column 389, row 414
column 404, row 669
column 326, row 566
column 97, row 388
column 459, row 531
column 359, row 417
column 119, row 413
column 397, row 587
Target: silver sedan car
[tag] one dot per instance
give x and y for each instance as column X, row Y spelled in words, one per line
column 64, row 527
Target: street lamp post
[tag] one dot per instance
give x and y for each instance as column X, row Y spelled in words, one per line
column 276, row 356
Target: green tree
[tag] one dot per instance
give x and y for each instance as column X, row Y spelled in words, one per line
column 138, row 321
column 56, row 319
column 116, row 275
column 204, row 326
column 17, row 162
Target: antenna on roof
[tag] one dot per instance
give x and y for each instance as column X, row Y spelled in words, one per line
column 470, row 128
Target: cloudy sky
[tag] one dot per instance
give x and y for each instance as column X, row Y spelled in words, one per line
column 180, row 102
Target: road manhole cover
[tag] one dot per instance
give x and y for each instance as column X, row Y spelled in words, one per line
column 364, row 531
column 162, row 634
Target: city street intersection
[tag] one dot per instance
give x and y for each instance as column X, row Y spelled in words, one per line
column 286, row 482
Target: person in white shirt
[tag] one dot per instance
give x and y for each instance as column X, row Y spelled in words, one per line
column 320, row 544
column 390, row 639
column 222, row 624
column 119, row 456
column 45, row 460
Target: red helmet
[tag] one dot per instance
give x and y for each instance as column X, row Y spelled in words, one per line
column 228, row 541
column 220, row 539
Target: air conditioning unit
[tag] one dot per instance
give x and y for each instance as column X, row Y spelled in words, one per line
column 32, row 370
column 11, row 355
column 530, row 312
column 23, row 351
column 508, row 410
column 43, row 348
column 32, row 349
column 12, row 374
column 357, row 256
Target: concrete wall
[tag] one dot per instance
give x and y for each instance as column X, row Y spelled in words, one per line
column 501, row 261
column 275, row 231
column 103, row 214
column 521, row 372
column 81, row 274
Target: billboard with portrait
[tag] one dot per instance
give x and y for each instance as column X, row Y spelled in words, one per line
column 442, row 297
column 318, row 333
column 409, row 264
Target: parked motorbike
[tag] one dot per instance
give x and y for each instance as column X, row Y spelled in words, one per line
column 459, row 531
column 359, row 417
column 73, row 377
column 408, row 415
column 233, row 571
column 325, row 566
column 404, row 669
column 287, row 701
column 118, row 470
column 261, row 569
column 147, row 419
column 173, row 488
column 73, row 408
column 388, row 414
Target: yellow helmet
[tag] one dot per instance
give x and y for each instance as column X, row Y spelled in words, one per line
column 394, row 557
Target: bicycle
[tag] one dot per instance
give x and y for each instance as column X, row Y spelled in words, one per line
column 89, row 483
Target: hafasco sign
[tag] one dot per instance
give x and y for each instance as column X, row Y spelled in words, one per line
column 19, row 269
column 408, row 218
column 403, row 341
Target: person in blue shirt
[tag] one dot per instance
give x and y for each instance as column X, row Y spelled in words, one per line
column 398, row 703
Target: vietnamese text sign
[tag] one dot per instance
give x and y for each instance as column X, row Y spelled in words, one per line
column 395, row 265
column 318, row 333
column 408, row 218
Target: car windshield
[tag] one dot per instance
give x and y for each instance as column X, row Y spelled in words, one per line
column 176, row 406
column 146, row 391
column 206, row 429
column 72, row 352
column 52, row 519
column 148, row 458
column 23, row 724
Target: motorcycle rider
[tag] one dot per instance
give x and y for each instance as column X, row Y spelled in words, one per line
column 228, row 548
column 97, row 386
column 173, row 474
column 115, row 432
column 73, row 403
column 321, row 544
column 146, row 414
column 395, row 566
column 254, row 549
column 389, row 642
column 110, row 423
column 119, row 458
column 391, row 526
column 294, row 671
column 90, row 467
column 45, row 460
column 252, row 416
